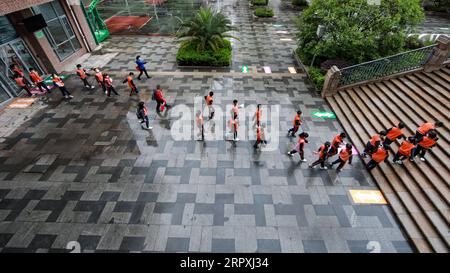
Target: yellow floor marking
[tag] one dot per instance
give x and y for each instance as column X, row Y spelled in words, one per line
column 367, row 197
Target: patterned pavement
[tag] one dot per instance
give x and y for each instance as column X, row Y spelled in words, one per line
column 83, row 170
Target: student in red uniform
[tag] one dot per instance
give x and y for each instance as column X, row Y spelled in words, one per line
column 380, row 155
column 200, row 125
column 257, row 116
column 405, row 150
column 142, row 114
column 108, row 84
column 322, row 156
column 373, row 144
column 38, row 81
column 81, row 72
column 100, row 80
column 425, row 144
column 57, row 82
column 260, row 137
column 161, row 102
column 16, row 70
column 337, row 141
column 300, row 146
column 425, row 128
column 346, row 154
column 209, row 103
column 295, row 124
column 394, row 133
column 20, row 80
column 131, row 84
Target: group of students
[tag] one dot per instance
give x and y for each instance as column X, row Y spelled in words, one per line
column 161, row 105
column 424, row 139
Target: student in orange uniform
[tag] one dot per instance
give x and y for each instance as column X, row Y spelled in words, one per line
column 423, row 130
column 300, row 146
column 131, row 84
column 295, row 124
column 394, row 133
column 200, row 125
column 38, row 81
column 57, row 81
column 346, row 154
column 322, row 156
column 380, row 155
column 161, row 102
column 99, row 78
column 234, row 126
column 81, row 72
column 16, row 70
column 405, row 150
column 337, row 141
column 373, row 144
column 257, row 116
column 235, row 109
column 20, row 80
column 142, row 114
column 427, row 143
column 108, row 84
column 209, row 103
column 260, row 137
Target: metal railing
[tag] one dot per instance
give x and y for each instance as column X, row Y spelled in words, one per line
column 386, row 66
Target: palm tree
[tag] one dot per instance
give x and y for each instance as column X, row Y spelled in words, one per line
column 206, row 30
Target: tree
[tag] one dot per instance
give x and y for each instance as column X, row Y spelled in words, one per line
column 206, row 30
column 355, row 30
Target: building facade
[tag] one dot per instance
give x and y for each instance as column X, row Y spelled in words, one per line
column 66, row 38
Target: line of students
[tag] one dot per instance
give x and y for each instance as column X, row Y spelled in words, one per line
column 103, row 79
column 424, row 139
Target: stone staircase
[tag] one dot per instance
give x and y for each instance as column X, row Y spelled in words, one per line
column 419, row 192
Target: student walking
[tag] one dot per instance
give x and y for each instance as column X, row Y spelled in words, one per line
column 425, row 128
column 100, row 80
column 57, row 82
column 300, row 146
column 234, row 126
column 161, row 102
column 345, row 155
column 295, row 124
column 405, row 150
column 16, row 70
column 200, row 125
column 235, row 109
column 322, row 151
column 209, row 103
column 427, row 143
column 260, row 137
column 81, row 72
column 20, row 80
column 142, row 114
column 380, row 155
column 394, row 133
column 373, row 144
column 257, row 116
column 140, row 66
column 108, row 84
column 133, row 87
column 335, row 144
column 38, row 81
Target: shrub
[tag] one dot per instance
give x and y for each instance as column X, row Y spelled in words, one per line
column 260, row 2
column 329, row 63
column 317, row 76
column 189, row 56
column 264, row 12
column 300, row 3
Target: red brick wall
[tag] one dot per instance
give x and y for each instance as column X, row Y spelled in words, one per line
column 8, row 6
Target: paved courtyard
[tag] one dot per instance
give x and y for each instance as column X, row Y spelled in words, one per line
column 83, row 170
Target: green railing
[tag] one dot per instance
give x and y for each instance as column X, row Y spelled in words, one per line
column 380, row 68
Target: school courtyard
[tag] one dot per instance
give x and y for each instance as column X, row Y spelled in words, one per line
column 84, row 170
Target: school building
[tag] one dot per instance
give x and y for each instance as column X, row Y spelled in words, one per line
column 24, row 41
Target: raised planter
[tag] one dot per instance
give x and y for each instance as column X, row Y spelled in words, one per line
column 264, row 19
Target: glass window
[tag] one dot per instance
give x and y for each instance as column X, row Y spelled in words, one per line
column 58, row 31
column 7, row 30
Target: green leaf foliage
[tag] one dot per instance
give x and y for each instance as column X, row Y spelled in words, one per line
column 189, row 56
column 264, row 12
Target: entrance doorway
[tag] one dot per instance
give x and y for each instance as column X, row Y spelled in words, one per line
column 14, row 52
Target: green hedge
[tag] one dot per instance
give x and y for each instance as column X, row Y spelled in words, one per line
column 260, row 2
column 188, row 56
column 317, row 76
column 264, row 12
